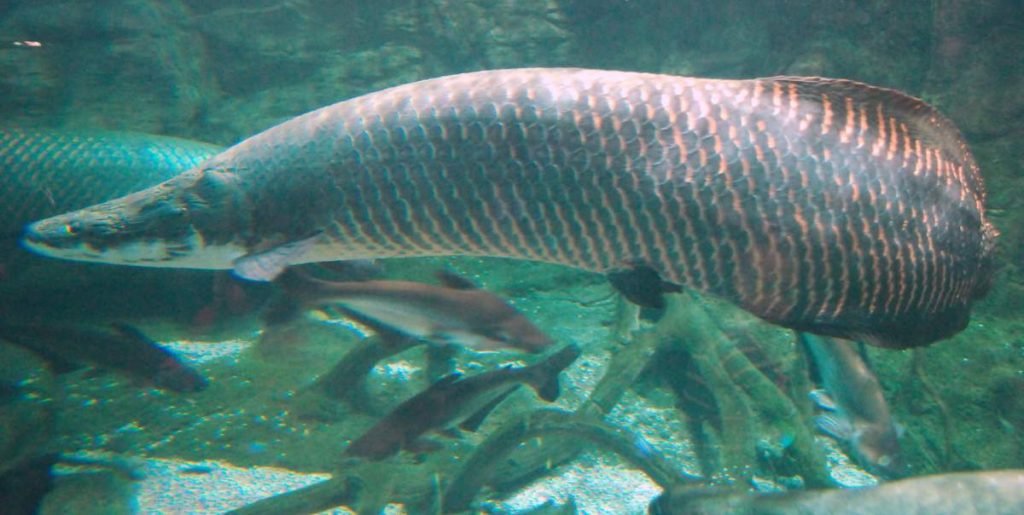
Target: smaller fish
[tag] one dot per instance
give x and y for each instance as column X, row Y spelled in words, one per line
column 125, row 349
column 859, row 415
column 455, row 312
column 989, row 492
column 455, row 398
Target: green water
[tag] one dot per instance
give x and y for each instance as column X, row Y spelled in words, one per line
column 221, row 71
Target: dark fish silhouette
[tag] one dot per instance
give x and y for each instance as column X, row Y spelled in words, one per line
column 456, row 312
column 453, row 398
column 822, row 205
column 125, row 350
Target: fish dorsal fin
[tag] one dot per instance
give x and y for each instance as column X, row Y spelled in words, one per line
column 455, row 281
column 923, row 120
column 268, row 264
column 923, row 123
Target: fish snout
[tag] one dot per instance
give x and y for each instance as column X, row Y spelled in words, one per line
column 77, row 235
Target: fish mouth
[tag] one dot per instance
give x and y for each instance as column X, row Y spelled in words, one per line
column 161, row 226
column 100, row 236
column 53, row 237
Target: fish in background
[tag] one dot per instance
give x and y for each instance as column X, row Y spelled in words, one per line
column 859, row 415
column 455, row 398
column 455, row 312
column 45, row 172
column 124, row 349
column 990, row 492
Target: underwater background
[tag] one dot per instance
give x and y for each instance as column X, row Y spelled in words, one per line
column 218, row 72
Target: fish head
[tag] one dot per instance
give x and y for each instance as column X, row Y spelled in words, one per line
column 878, row 449
column 189, row 221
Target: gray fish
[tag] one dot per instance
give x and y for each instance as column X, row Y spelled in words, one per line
column 999, row 492
column 456, row 312
column 453, row 398
column 821, row 205
column 860, row 415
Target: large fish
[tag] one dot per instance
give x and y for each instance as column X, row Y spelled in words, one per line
column 822, row 205
column 990, row 492
column 45, row 172
column 455, row 312
column 860, row 416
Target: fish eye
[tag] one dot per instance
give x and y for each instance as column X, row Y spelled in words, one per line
column 885, row 461
column 72, row 228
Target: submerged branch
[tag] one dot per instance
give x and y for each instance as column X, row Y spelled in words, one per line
column 555, row 423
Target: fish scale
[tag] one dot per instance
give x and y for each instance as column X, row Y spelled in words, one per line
column 50, row 171
column 818, row 204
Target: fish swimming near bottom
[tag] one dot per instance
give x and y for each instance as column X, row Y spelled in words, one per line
column 860, row 415
column 822, row 205
column 125, row 349
column 994, row 492
column 454, row 312
column 452, row 399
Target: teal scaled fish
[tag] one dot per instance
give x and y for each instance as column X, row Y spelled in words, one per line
column 860, row 416
column 453, row 398
column 50, row 171
column 993, row 492
column 822, row 205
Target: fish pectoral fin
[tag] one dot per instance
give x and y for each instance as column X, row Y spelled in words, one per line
column 642, row 285
column 268, row 264
column 835, row 426
column 823, row 400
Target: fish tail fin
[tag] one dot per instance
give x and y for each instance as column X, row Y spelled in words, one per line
column 544, row 380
